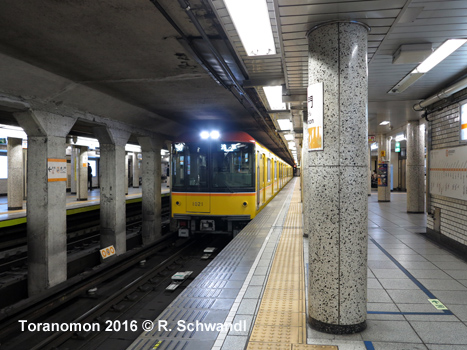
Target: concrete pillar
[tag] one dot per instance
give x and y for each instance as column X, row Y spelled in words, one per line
column 46, row 207
column 136, row 170
column 111, row 178
column 415, row 167
column 74, row 168
column 384, row 166
column 151, row 188
column 15, row 173
column 336, row 180
column 25, row 172
column 82, row 172
column 127, row 157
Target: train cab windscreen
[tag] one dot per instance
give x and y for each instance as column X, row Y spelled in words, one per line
column 216, row 167
column 232, row 166
column 189, row 170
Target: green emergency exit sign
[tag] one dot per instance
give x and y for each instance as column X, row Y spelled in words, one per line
column 398, row 147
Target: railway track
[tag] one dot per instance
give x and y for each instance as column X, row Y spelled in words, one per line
column 82, row 248
column 114, row 302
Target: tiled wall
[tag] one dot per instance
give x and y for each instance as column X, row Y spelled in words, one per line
column 445, row 134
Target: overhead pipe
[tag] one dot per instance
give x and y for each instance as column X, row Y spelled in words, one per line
column 461, row 84
column 186, row 6
column 195, row 51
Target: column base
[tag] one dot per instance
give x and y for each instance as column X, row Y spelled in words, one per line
column 15, row 208
column 383, row 200
column 335, row 328
column 415, row 212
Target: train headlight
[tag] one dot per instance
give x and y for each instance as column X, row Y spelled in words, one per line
column 204, row 135
column 214, row 134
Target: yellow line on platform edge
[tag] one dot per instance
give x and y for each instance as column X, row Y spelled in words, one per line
column 281, row 320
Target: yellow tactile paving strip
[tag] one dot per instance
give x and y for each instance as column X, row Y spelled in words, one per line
column 281, row 320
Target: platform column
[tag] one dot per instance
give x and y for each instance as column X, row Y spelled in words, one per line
column 74, row 169
column 82, row 174
column 305, row 182
column 384, row 168
column 46, row 207
column 136, row 170
column 127, row 156
column 336, row 178
column 151, row 187
column 111, row 178
column 415, row 167
column 15, row 173
column 369, row 170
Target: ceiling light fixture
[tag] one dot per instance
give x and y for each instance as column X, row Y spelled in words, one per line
column 447, row 48
column 251, row 20
column 399, row 137
column 284, row 124
column 274, row 97
column 386, row 122
column 289, row 137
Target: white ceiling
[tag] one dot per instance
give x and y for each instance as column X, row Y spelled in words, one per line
column 149, row 66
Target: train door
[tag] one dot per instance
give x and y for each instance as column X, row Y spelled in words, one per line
column 258, row 181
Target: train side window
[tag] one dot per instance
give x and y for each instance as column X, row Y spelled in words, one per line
column 275, row 170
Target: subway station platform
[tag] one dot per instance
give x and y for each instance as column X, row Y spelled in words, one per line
column 71, row 202
column 256, row 288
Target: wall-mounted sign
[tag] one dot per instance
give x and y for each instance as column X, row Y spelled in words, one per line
column 107, row 252
column 371, row 139
column 315, row 104
column 463, row 121
column 397, row 148
column 3, row 141
column 382, row 153
column 56, row 170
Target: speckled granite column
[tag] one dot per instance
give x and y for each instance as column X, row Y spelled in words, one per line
column 384, row 192
column 336, row 181
column 304, row 166
column 415, row 167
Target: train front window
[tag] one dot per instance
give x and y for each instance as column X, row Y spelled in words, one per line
column 196, row 167
column 178, row 165
column 232, row 166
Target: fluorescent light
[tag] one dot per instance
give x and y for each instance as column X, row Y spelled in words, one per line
column 386, row 122
column 374, row 146
column 291, row 144
column 284, row 124
column 399, row 137
column 447, row 48
column 274, row 96
column 12, row 131
column 289, row 137
column 251, row 20
column 132, row 148
column 87, row 141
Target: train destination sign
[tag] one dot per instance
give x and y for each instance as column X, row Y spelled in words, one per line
column 315, row 117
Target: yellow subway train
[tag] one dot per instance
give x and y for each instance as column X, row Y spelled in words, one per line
column 220, row 182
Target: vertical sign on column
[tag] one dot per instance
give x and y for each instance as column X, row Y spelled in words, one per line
column 56, row 170
column 315, row 105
